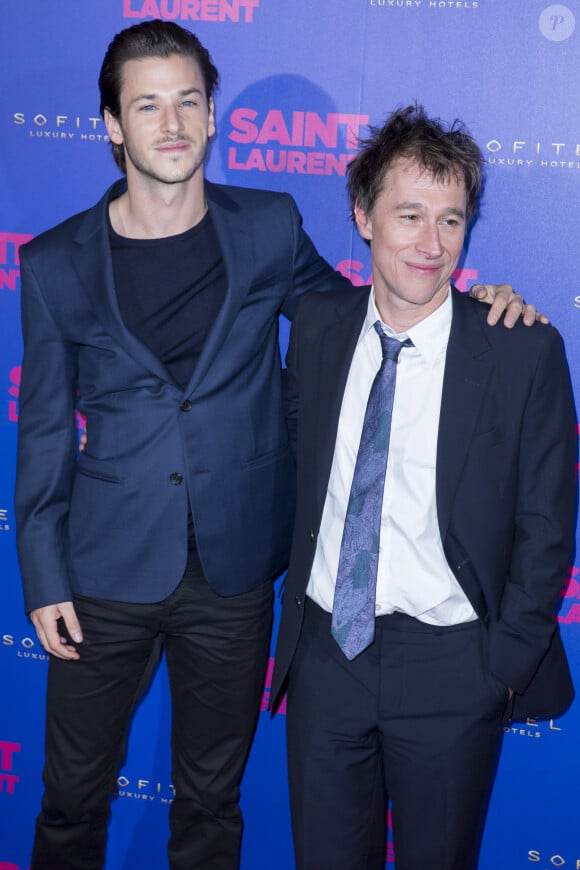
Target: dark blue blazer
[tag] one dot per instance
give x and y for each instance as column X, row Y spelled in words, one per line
column 112, row 523
column 506, row 454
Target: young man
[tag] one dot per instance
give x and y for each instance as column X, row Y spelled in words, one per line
column 409, row 628
column 162, row 330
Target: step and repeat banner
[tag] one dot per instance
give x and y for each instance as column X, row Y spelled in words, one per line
column 300, row 80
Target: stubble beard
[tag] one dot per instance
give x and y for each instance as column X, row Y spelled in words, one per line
column 181, row 173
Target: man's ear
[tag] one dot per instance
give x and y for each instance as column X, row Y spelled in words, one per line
column 363, row 222
column 211, row 118
column 113, row 127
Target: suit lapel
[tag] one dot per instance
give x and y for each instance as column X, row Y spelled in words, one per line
column 237, row 248
column 333, row 352
column 94, row 267
column 467, row 369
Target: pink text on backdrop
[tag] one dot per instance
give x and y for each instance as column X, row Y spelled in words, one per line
column 570, row 609
column 10, row 244
column 267, row 686
column 297, row 131
column 192, row 10
column 7, row 779
column 352, row 269
column 13, row 391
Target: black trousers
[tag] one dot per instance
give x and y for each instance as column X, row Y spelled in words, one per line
column 417, row 718
column 216, row 651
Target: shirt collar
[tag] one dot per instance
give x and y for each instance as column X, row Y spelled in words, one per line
column 430, row 336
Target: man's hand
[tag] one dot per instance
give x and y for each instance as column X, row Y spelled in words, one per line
column 502, row 298
column 45, row 622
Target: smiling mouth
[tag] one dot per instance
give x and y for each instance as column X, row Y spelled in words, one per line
column 423, row 268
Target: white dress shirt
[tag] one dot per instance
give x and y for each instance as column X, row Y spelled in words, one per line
column 413, row 574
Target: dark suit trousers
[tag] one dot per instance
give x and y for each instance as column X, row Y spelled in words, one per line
column 417, row 717
column 216, row 651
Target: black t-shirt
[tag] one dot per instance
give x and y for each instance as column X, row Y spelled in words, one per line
column 170, row 291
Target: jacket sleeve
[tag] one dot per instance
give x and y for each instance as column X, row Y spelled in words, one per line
column 310, row 271
column 544, row 529
column 46, row 448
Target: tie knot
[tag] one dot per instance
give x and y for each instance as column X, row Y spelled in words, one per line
column 391, row 346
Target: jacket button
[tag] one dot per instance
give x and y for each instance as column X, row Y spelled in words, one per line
column 186, row 406
column 176, row 478
column 300, row 600
column 311, row 535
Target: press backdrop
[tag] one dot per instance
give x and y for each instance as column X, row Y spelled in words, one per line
column 300, row 80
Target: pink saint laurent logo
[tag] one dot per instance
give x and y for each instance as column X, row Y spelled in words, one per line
column 8, row 779
column 13, row 393
column 305, row 143
column 355, row 271
column 267, row 687
column 239, row 11
column 10, row 244
column 570, row 610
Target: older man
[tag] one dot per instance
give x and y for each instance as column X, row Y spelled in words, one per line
column 410, row 628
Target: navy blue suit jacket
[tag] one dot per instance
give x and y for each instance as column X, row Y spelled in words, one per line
column 505, row 480
column 112, row 523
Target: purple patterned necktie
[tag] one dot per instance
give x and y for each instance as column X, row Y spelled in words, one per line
column 353, row 612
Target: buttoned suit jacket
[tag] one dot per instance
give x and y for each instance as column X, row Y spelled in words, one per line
column 112, row 522
column 505, row 487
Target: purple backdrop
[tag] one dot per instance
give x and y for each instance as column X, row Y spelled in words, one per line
column 299, row 82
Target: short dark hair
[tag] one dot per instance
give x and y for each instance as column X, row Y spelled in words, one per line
column 148, row 39
column 446, row 152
